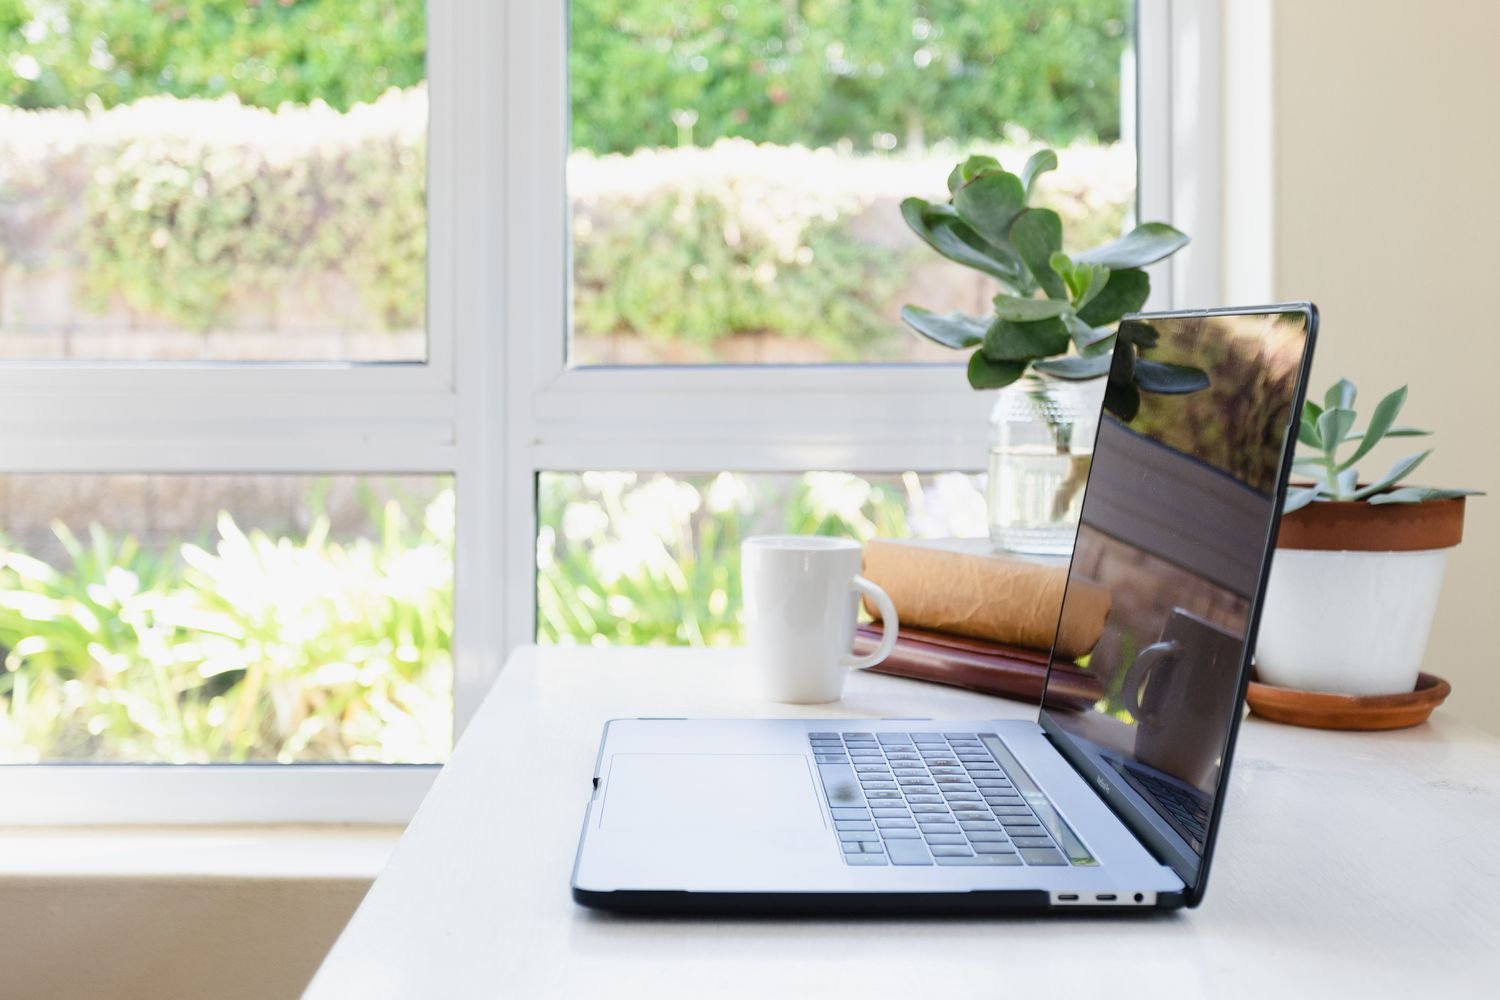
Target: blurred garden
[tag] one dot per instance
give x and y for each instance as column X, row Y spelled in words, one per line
column 236, row 180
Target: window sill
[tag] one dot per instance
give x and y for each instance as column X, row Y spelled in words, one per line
column 301, row 852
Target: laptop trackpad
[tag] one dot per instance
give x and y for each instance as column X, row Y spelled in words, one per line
column 720, row 792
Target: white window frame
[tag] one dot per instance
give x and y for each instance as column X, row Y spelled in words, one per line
column 495, row 404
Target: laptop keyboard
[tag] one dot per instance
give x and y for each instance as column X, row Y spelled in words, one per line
column 926, row 799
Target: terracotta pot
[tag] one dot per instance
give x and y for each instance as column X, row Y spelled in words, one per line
column 1352, row 594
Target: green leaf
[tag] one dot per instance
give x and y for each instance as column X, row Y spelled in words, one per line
column 1125, row 292
column 1009, row 341
column 1380, row 421
column 954, row 329
column 1122, row 399
column 1299, row 498
column 1037, row 235
column 940, row 228
column 987, row 374
column 1084, row 335
column 1402, row 468
column 990, row 203
column 1347, row 483
column 1311, row 411
column 1075, row 368
column 1307, row 433
column 1169, row 379
column 969, row 169
column 1394, row 432
column 1084, row 281
column 1334, row 424
column 1145, row 244
column 1341, row 394
column 1420, row 494
column 1023, row 310
column 1041, row 161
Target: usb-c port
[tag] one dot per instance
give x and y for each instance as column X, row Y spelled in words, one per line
column 1068, row 897
column 1105, row 897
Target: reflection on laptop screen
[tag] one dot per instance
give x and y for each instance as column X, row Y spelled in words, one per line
column 1174, row 528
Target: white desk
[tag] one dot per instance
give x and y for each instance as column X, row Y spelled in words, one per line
column 1350, row 865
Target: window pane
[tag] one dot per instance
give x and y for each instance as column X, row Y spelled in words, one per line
column 197, row 619
column 738, row 167
column 213, row 186
column 649, row 558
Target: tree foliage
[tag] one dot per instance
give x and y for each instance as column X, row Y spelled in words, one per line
column 877, row 73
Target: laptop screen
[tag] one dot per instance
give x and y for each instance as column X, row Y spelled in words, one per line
column 1167, row 569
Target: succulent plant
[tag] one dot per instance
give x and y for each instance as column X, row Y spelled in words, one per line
column 1327, row 428
column 1056, row 312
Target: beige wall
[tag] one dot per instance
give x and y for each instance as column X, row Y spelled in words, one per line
column 179, row 938
column 1387, row 214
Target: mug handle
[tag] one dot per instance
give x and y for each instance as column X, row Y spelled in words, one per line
column 1156, row 656
column 889, row 625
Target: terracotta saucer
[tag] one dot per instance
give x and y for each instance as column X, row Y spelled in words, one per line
column 1322, row 710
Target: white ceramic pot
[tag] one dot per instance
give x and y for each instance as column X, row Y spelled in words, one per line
column 1348, row 622
column 1352, row 594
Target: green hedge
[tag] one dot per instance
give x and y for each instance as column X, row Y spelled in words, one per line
column 808, row 71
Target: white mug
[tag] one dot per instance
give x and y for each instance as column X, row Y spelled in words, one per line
column 801, row 603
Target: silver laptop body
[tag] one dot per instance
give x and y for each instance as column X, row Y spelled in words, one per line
column 1111, row 799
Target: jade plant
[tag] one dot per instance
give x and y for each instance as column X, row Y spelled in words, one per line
column 1056, row 312
column 1326, row 429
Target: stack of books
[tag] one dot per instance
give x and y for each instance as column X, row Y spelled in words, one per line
column 984, row 621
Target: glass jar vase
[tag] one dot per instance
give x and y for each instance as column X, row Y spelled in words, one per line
column 1041, row 441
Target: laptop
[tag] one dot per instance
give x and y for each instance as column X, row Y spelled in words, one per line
column 1110, row 800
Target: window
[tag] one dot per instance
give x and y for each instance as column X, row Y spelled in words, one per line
column 735, row 258
column 233, row 289
column 740, row 203
column 493, row 343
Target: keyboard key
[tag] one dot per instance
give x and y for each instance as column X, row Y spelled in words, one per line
column 1032, row 841
column 1042, row 856
column 901, row 834
column 986, row 836
column 951, row 851
column 965, row 814
column 853, row 824
column 848, row 812
column 861, row 846
column 870, row 768
column 879, row 786
column 865, row 860
column 925, row 799
column 893, row 738
column 893, row 797
column 822, row 736
column 992, row 847
column 972, row 826
column 865, row 835
column 891, row 813
column 938, row 827
column 930, row 807
column 945, row 838
column 1023, row 829
column 982, row 861
column 896, row 824
column 908, row 852
column 823, row 758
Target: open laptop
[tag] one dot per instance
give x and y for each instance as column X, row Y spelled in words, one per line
column 1112, row 798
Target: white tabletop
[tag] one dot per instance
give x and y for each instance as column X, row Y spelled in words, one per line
column 1349, row 865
